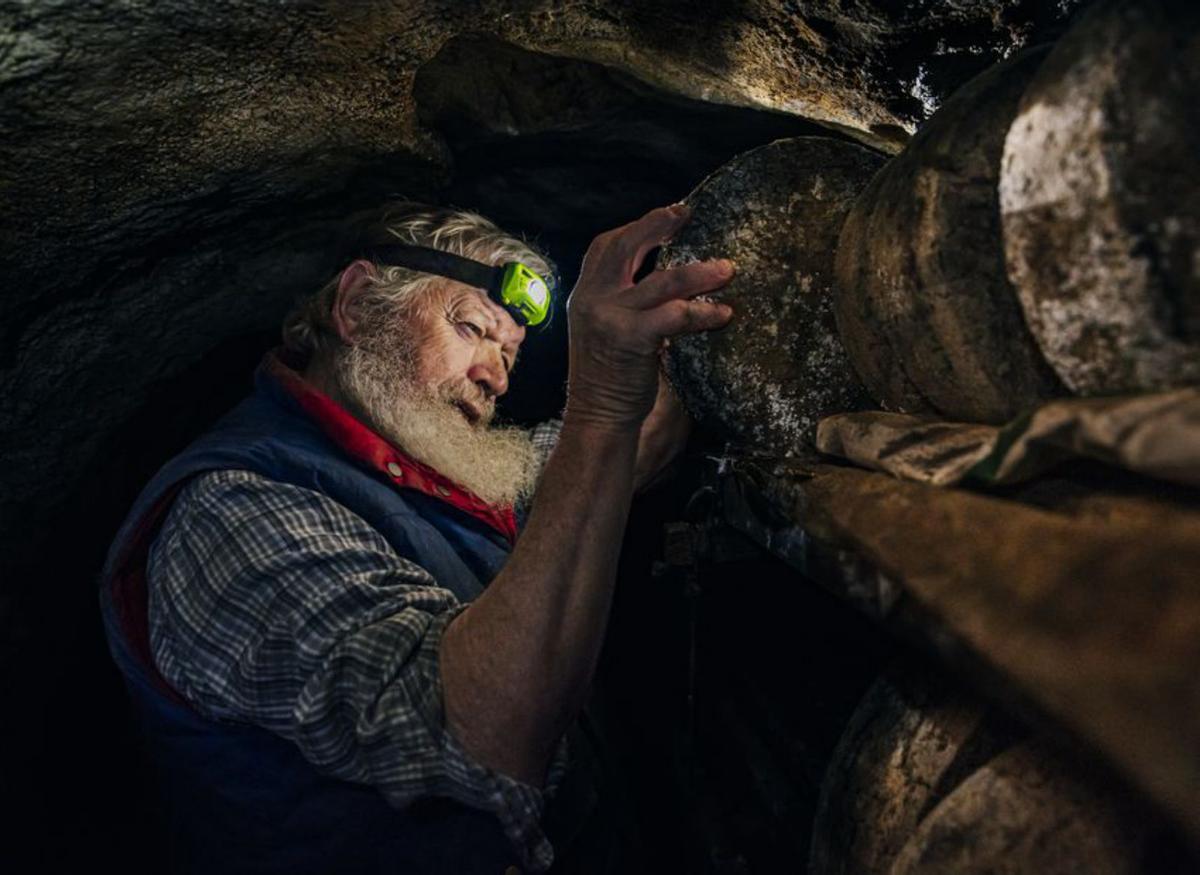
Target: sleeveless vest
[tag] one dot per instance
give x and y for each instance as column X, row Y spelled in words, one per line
column 242, row 799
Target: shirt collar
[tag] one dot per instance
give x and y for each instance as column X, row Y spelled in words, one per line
column 365, row 446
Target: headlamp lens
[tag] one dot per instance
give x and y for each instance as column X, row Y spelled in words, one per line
column 524, row 294
column 538, row 292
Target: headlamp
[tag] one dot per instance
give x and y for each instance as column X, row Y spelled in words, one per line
column 515, row 287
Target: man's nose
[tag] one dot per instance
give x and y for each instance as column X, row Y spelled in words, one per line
column 488, row 372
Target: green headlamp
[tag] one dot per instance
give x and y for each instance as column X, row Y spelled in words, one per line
column 516, row 288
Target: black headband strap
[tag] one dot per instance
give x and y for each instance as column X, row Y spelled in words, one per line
column 447, row 264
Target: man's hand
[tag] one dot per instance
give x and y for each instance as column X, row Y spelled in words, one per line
column 617, row 327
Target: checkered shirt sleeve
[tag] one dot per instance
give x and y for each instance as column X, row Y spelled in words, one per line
column 273, row 605
column 545, row 438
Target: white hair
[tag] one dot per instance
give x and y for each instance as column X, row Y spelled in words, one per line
column 308, row 329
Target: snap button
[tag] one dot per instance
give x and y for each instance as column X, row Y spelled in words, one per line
column 395, row 470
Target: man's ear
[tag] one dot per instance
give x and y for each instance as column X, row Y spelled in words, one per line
column 352, row 285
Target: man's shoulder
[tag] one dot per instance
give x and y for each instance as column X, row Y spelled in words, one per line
column 227, row 490
column 242, row 512
column 245, row 495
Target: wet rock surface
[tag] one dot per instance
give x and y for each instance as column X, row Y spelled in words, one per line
column 923, row 303
column 1101, row 204
column 779, row 366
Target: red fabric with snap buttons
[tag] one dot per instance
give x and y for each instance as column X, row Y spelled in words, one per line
column 359, row 442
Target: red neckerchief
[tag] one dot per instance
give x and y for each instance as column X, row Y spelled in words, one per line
column 364, row 445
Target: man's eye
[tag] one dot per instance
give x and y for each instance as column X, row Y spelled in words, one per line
column 471, row 328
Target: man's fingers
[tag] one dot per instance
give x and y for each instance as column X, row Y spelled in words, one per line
column 686, row 317
column 685, row 281
column 636, row 239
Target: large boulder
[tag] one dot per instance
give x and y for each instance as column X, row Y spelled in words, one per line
column 1101, row 199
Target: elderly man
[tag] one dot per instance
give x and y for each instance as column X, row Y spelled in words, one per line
column 344, row 657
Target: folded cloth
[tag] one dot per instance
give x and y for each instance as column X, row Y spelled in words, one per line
column 1156, row 434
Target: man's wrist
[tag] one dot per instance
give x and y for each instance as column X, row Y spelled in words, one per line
column 582, row 421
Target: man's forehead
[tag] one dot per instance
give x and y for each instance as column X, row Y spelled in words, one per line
column 507, row 329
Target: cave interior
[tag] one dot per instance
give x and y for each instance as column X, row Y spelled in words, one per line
column 729, row 677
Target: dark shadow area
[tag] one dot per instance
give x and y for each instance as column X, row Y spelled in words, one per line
column 730, row 680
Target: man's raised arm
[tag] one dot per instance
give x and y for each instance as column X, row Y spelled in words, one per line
column 516, row 664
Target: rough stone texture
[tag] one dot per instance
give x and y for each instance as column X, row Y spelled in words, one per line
column 910, row 740
column 525, row 128
column 1101, row 201
column 922, row 301
column 767, row 378
column 1026, row 811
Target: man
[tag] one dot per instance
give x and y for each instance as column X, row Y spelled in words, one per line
column 345, row 659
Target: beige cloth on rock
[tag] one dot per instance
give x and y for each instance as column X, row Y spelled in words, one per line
column 1155, row 434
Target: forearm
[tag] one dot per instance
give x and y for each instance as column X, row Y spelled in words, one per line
column 517, row 663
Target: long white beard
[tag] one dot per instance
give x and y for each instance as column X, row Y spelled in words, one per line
column 497, row 463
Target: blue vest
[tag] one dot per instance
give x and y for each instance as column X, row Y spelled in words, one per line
column 242, row 799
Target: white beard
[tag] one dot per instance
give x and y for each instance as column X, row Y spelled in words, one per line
column 496, row 463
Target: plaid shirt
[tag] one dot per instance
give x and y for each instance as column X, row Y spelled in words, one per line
column 272, row 604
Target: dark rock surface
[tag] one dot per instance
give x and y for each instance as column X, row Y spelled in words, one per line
column 923, row 303
column 1101, row 201
column 779, row 366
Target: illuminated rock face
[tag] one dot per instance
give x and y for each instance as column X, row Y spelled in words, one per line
column 779, row 366
column 1101, row 201
column 923, row 303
